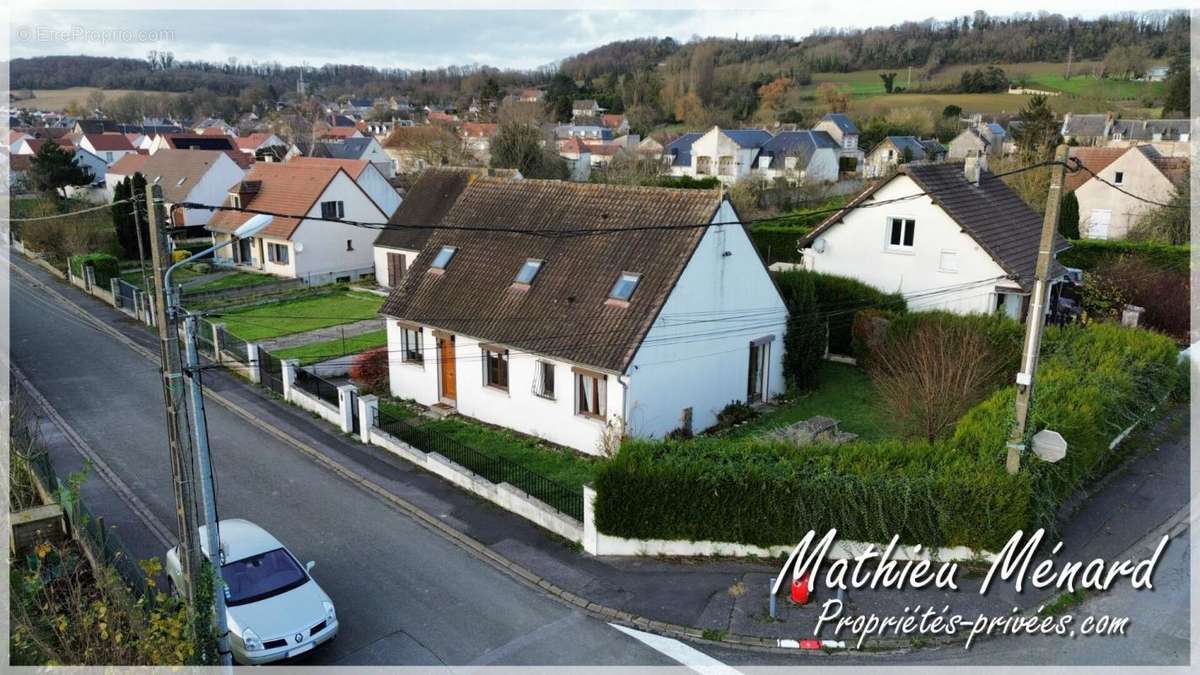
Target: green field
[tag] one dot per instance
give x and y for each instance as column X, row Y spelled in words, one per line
column 59, row 99
column 299, row 315
column 330, row 349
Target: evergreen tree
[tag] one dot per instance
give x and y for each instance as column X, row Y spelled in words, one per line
column 1178, row 100
column 1068, row 216
column 54, row 169
column 123, row 216
column 1038, row 131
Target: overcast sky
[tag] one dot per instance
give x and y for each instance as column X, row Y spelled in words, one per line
column 422, row 38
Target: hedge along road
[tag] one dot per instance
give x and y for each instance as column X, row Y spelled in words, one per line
column 405, row 595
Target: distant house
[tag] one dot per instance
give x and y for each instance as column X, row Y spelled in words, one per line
column 477, row 137
column 587, row 108
column 307, row 245
column 1091, row 129
column 91, row 162
column 727, row 154
column 222, row 127
column 339, row 133
column 896, row 150
column 408, row 229
column 530, row 95
column 617, row 123
column 591, row 132
column 194, row 176
column 488, row 323
column 649, row 148
column 579, row 158
column 678, row 153
column 357, row 148
column 1151, row 130
column 340, row 121
column 801, row 157
column 843, row 131
column 441, row 117
column 366, row 174
column 95, row 126
column 967, row 244
column 1106, row 212
column 109, row 147
column 122, row 169
column 263, row 146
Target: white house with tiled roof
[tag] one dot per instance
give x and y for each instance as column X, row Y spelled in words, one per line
column 580, row 339
column 1106, row 212
column 304, row 241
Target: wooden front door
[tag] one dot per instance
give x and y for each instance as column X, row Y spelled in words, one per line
column 395, row 268
column 448, row 393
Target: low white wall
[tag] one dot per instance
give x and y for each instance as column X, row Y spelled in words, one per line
column 598, row 543
column 312, row 404
column 503, row 495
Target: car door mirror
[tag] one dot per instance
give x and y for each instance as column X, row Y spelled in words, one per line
column 310, row 565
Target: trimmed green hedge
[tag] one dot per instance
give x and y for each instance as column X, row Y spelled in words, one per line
column 839, row 299
column 1089, row 254
column 107, row 267
column 1092, row 383
column 778, row 243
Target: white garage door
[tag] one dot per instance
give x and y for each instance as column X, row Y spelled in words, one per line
column 1098, row 224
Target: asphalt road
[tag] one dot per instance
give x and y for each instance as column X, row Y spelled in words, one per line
column 405, row 595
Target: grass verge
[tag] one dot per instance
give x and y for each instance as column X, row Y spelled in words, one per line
column 330, row 349
column 300, row 315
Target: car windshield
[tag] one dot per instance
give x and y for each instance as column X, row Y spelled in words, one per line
column 261, row 576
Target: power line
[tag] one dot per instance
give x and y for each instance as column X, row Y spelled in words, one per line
column 1074, row 161
column 67, row 215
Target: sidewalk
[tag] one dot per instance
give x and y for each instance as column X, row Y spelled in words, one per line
column 726, row 598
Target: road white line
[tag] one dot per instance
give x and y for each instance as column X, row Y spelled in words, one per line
column 692, row 658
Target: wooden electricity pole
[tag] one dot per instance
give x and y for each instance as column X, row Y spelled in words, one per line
column 1035, row 319
column 174, row 397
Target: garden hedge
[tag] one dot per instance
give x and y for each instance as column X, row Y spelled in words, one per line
column 1092, row 383
column 778, row 243
column 839, row 299
column 1090, row 254
column 107, row 267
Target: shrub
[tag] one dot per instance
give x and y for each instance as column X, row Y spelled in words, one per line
column 804, row 342
column 931, row 367
column 839, row 299
column 1164, row 294
column 179, row 255
column 735, row 413
column 370, row 370
column 778, row 243
column 1090, row 254
column 106, row 266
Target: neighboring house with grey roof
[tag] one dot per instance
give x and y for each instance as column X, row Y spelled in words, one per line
column 194, row 176
column 843, row 131
column 967, row 244
column 728, row 154
column 800, row 157
column 893, row 151
column 580, row 340
column 1086, row 129
column 357, row 148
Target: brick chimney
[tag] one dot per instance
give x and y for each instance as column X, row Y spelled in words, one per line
column 973, row 166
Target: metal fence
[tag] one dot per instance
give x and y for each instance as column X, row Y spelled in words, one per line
column 126, row 292
column 270, row 371
column 234, row 347
column 568, row 500
column 204, row 338
column 321, row 388
column 104, row 543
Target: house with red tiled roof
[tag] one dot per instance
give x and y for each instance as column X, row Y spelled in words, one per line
column 122, row 169
column 493, row 323
column 263, row 146
column 304, row 241
column 366, row 174
column 1107, row 207
column 221, row 143
column 340, row 133
column 193, row 177
column 616, row 122
column 109, row 147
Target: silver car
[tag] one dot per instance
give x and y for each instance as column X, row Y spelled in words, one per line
column 274, row 608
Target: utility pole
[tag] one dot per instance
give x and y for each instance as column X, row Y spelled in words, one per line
column 203, row 459
column 1035, row 320
column 182, row 469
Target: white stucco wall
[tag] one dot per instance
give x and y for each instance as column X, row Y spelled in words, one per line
column 325, row 242
column 1139, row 176
column 212, row 188
column 517, row 408
column 857, row 247
column 715, row 145
column 697, row 352
column 373, row 182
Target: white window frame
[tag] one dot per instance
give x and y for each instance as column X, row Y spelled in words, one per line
column 581, row 380
column 278, row 254
column 339, row 208
column 901, row 247
column 411, row 350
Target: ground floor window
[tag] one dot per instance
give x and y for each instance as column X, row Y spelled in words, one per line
column 756, row 388
column 277, row 253
column 544, row 383
column 411, row 345
column 495, row 367
column 589, row 393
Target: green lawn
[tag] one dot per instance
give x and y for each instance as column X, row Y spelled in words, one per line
column 237, row 279
column 323, row 351
column 844, row 393
column 299, row 315
column 561, row 465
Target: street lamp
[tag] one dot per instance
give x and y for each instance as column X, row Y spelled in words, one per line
column 200, row 425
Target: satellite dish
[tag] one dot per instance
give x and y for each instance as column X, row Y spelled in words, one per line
column 299, row 247
column 819, row 245
column 1049, row 445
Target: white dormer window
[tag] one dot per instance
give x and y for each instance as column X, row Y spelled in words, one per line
column 900, row 233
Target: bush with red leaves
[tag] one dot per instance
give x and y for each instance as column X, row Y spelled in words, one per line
column 1165, row 294
column 370, row 370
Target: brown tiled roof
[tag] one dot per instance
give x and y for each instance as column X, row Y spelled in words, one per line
column 286, row 189
column 425, row 203
column 20, row 162
column 129, row 164
column 1093, row 158
column 102, row 142
column 563, row 313
column 177, row 171
column 612, row 120
column 353, row 167
column 991, row 213
column 252, row 141
column 340, row 132
column 479, row 129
